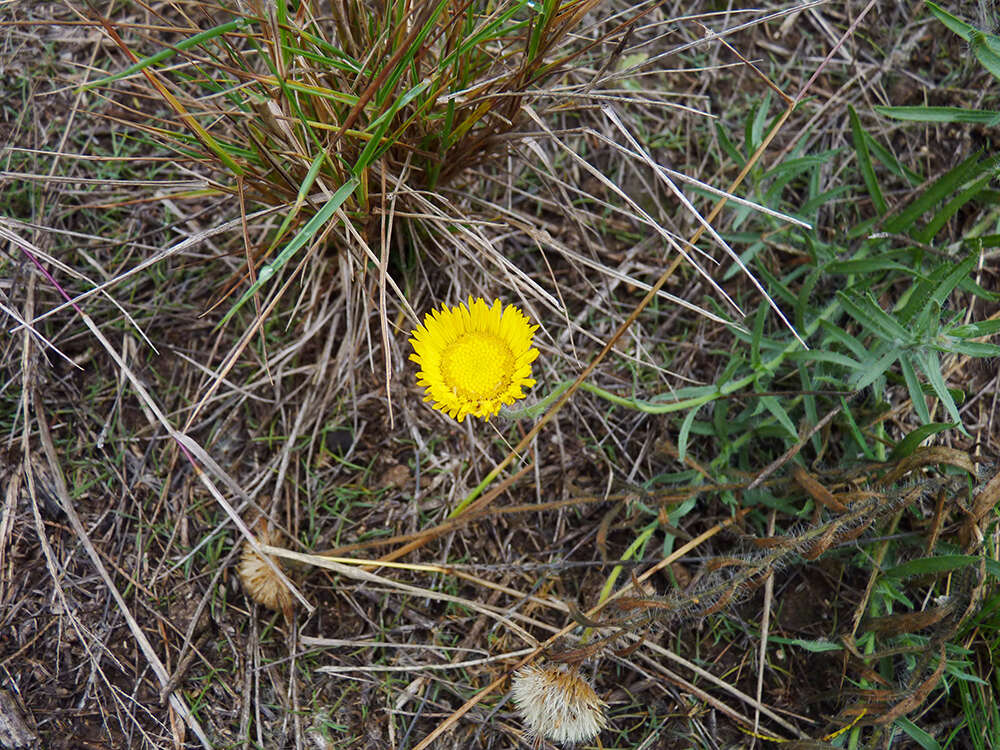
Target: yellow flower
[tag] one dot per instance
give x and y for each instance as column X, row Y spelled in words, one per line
column 557, row 704
column 474, row 359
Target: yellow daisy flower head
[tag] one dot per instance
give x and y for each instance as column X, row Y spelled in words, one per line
column 474, row 358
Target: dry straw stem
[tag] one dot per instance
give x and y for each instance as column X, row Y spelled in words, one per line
column 190, row 447
column 32, row 407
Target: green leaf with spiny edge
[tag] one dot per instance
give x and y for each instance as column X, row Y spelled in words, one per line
column 952, row 280
column 867, row 312
column 931, row 365
column 818, row 355
column 975, row 330
column 969, row 285
column 971, row 349
column 918, row 296
column 874, row 367
column 844, row 338
column 957, row 394
column 929, row 317
column 986, row 52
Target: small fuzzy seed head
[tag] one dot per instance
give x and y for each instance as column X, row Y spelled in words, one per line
column 259, row 581
column 557, row 704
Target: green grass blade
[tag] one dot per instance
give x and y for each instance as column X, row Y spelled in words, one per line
column 865, row 163
column 685, row 431
column 918, row 735
column 304, row 236
column 166, row 54
column 944, row 186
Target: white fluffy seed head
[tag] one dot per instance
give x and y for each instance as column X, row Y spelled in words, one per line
column 557, row 704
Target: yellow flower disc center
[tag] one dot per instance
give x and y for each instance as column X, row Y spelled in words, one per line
column 477, row 365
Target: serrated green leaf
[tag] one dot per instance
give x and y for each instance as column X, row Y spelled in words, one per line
column 914, row 388
column 952, row 207
column 931, row 366
column 873, row 368
column 942, row 187
column 818, row 355
column 971, row 349
column 974, row 330
column 867, row 312
column 843, row 337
